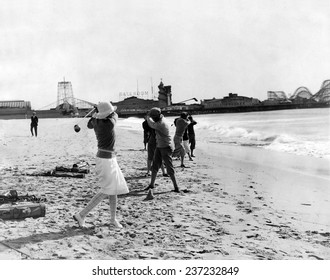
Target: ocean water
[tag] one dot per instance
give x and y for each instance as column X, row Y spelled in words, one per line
column 301, row 131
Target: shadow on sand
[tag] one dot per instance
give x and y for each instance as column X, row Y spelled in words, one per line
column 69, row 231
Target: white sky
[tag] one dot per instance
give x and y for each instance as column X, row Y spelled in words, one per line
column 202, row 48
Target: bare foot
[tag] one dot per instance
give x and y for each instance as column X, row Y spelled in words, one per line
column 115, row 224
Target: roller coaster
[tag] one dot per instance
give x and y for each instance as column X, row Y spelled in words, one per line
column 322, row 96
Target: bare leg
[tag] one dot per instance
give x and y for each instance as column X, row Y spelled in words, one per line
column 153, row 178
column 92, row 204
column 163, row 170
column 151, row 186
column 182, row 158
column 149, row 162
column 170, row 170
column 113, row 211
column 80, row 217
column 175, row 185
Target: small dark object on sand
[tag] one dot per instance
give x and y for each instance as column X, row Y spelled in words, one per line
column 76, row 128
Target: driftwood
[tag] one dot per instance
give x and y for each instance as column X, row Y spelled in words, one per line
column 20, row 211
column 73, row 169
column 78, row 170
column 20, row 198
column 54, row 173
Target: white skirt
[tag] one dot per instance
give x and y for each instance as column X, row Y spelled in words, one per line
column 111, row 179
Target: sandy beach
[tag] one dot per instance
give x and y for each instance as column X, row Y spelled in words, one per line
column 240, row 203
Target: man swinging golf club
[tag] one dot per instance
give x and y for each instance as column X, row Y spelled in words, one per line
column 111, row 179
column 163, row 150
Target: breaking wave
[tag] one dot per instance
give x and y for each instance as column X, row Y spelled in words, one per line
column 301, row 132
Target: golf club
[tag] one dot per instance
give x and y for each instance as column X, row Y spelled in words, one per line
column 77, row 127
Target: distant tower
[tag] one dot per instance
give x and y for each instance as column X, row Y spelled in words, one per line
column 65, row 95
column 164, row 95
column 152, row 90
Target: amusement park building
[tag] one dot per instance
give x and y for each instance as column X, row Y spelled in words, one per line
column 135, row 105
column 15, row 104
column 12, row 108
column 232, row 100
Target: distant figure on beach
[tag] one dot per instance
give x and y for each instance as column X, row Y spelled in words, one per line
column 111, row 179
column 181, row 124
column 146, row 132
column 152, row 144
column 34, row 124
column 191, row 135
column 163, row 151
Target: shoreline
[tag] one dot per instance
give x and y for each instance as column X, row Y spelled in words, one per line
column 299, row 183
column 52, row 113
column 241, row 203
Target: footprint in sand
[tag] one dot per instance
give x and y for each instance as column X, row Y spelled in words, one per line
column 316, row 257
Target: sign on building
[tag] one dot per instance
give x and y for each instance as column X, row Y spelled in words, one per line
column 140, row 94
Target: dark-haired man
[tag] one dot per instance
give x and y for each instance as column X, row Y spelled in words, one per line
column 34, row 124
column 163, row 150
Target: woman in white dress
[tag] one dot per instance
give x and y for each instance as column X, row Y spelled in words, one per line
column 111, row 179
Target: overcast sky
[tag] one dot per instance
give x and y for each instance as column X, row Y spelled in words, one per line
column 202, row 48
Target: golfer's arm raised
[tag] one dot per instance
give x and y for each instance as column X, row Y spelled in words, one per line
column 90, row 122
column 151, row 123
column 113, row 117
